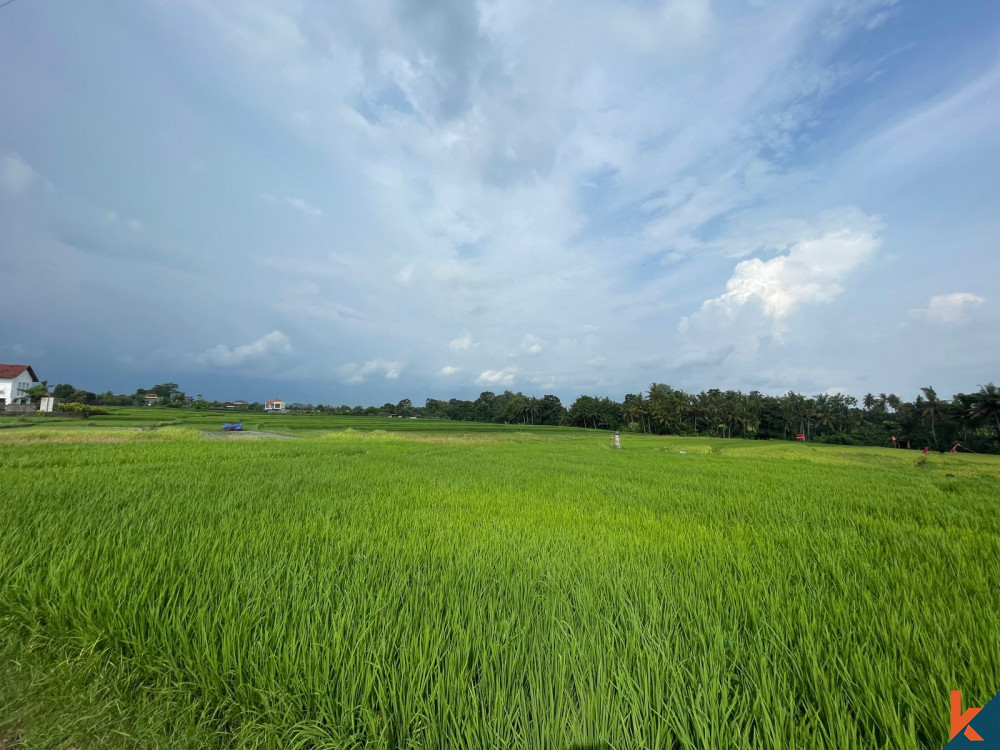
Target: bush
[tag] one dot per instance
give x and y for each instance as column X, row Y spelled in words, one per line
column 84, row 410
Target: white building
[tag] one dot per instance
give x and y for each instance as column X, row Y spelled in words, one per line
column 276, row 405
column 15, row 380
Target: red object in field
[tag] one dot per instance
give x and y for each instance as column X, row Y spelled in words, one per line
column 800, row 437
column 926, row 448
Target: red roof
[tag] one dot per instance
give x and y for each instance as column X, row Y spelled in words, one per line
column 12, row 371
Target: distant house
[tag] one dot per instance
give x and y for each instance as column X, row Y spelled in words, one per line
column 276, row 405
column 15, row 381
column 239, row 404
column 151, row 399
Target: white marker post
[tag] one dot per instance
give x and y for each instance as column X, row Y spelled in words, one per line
column 616, row 441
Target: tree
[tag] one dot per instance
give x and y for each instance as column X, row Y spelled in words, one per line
column 165, row 390
column 532, row 408
column 585, row 411
column 63, row 391
column 985, row 407
column 932, row 408
column 37, row 392
column 550, row 410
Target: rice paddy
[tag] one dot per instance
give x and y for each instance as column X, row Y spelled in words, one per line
column 447, row 586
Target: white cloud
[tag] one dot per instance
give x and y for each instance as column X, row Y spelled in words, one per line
column 531, row 345
column 113, row 217
column 302, row 206
column 960, row 119
column 764, row 297
column 811, row 271
column 949, row 308
column 405, row 274
column 461, row 343
column 705, row 357
column 16, row 175
column 269, row 346
column 517, row 166
column 353, row 373
column 449, row 370
column 497, row 377
column 297, row 203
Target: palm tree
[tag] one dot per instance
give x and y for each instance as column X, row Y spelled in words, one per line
column 660, row 404
column 986, row 406
column 635, row 410
column 932, row 407
column 531, row 407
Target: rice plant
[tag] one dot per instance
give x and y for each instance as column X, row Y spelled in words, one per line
column 535, row 591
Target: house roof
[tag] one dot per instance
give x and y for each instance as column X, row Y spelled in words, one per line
column 152, row 395
column 12, row 371
column 276, row 401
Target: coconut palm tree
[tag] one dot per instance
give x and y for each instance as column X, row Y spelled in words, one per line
column 532, row 408
column 932, row 408
column 986, row 407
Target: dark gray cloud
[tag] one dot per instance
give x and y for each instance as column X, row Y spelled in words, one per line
column 323, row 197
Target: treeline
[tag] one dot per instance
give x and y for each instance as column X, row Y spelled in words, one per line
column 970, row 419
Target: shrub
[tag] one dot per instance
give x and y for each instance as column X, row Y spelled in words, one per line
column 84, row 410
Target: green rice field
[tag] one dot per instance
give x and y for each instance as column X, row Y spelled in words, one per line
column 366, row 583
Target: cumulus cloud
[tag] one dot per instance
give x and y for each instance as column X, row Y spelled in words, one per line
column 448, row 370
column 508, row 167
column 763, row 296
column 811, row 271
column 505, row 377
column 531, row 345
column 266, row 347
column 949, row 308
column 16, row 175
column 352, row 373
column 461, row 343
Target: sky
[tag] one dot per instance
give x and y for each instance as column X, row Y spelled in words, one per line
column 359, row 202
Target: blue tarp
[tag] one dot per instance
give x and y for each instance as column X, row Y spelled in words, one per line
column 231, row 427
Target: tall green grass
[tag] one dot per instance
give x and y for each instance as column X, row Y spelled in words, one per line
column 395, row 591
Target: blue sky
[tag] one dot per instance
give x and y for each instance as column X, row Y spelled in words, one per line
column 354, row 203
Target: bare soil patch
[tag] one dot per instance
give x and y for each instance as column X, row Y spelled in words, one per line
column 243, row 434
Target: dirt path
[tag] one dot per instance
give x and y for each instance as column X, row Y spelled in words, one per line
column 243, row 434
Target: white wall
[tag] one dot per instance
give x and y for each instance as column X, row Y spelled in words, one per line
column 12, row 389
